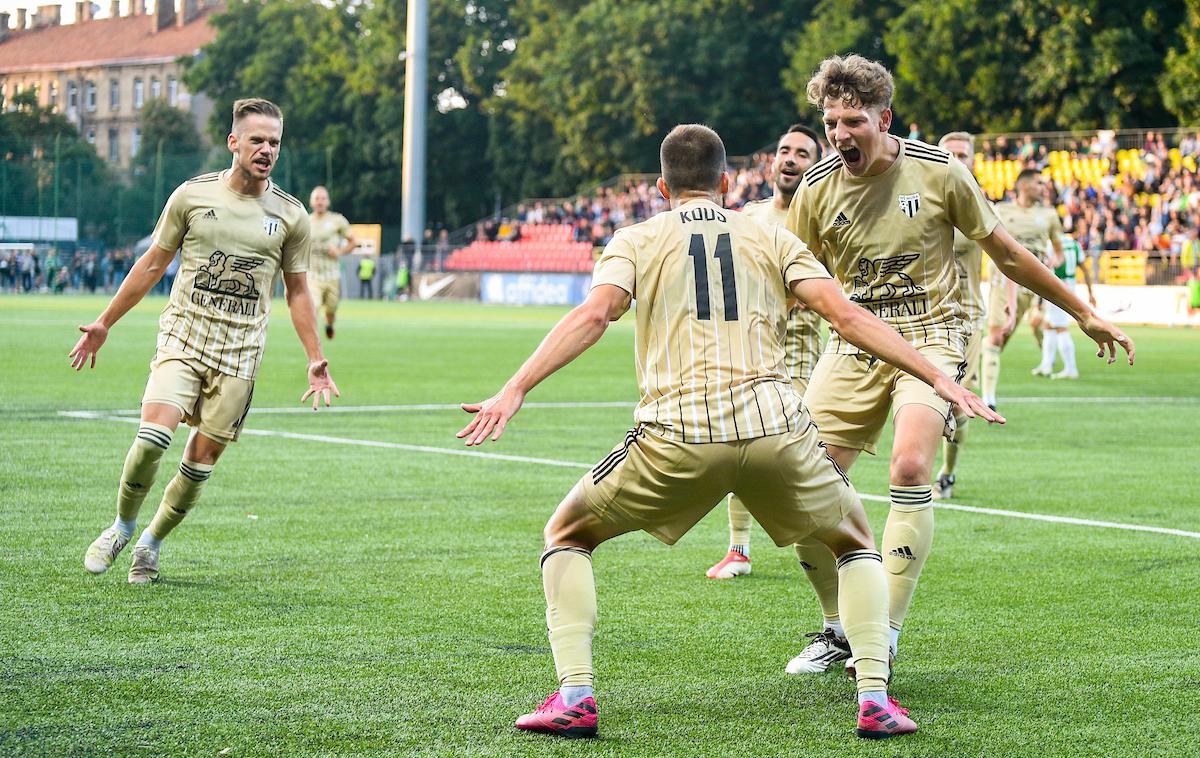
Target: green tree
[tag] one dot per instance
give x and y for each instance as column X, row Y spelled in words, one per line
column 611, row 77
column 171, row 152
column 1033, row 64
column 1180, row 81
column 45, row 167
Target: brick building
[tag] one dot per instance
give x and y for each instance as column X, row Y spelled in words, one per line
column 100, row 73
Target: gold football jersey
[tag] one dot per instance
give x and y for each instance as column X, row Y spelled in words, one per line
column 330, row 230
column 802, row 339
column 889, row 238
column 231, row 247
column 711, row 287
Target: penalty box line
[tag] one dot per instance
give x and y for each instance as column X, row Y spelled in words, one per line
column 941, row 504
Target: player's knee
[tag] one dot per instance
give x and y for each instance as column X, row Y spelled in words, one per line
column 910, row 469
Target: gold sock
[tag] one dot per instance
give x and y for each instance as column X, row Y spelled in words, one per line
column 570, row 612
column 739, row 523
column 950, row 446
column 990, row 373
column 907, row 538
column 179, row 497
column 821, row 569
column 141, row 466
column 863, row 600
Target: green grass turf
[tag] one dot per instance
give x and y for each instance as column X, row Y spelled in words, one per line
column 389, row 602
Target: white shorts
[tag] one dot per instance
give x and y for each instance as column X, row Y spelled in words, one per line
column 1056, row 318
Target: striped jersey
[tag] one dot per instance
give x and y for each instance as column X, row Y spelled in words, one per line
column 231, row 247
column 329, row 230
column 889, row 238
column 711, row 287
column 1072, row 260
column 802, row 337
column 1032, row 226
column 968, row 258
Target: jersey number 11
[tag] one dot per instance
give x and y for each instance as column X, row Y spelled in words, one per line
column 724, row 254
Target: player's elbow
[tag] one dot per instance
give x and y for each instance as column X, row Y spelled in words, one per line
column 845, row 318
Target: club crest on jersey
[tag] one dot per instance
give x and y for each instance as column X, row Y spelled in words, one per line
column 910, row 204
column 270, row 225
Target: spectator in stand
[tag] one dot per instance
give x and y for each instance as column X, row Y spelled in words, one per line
column 914, row 132
column 52, row 265
column 441, row 248
column 7, row 271
column 27, row 270
column 61, row 280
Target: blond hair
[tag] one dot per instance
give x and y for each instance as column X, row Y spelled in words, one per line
column 959, row 136
column 854, row 80
column 254, row 105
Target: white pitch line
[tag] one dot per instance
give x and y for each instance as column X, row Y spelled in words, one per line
column 419, row 407
column 572, row 464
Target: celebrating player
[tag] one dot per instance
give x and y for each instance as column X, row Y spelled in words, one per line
column 880, row 213
column 331, row 239
column 795, row 152
column 236, row 230
column 1037, row 227
column 968, row 259
column 718, row 414
column 1058, row 334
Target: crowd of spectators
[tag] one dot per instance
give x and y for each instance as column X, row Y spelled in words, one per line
column 57, row 272
column 1147, row 199
column 596, row 216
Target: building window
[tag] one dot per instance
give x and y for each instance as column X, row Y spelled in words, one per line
column 155, row 88
column 53, row 100
column 114, row 95
column 172, row 90
column 139, row 94
column 89, row 96
column 114, row 147
column 136, row 144
column 72, row 96
column 91, row 135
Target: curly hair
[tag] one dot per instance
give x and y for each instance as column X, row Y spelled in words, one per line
column 854, row 80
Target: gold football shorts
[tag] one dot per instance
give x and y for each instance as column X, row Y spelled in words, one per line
column 850, row 396
column 213, row 403
column 662, row 486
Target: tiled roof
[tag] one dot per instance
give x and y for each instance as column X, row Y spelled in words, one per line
column 101, row 41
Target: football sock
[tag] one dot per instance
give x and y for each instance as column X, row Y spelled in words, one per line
column 149, row 540
column 739, row 526
column 821, row 569
column 179, row 497
column 990, row 374
column 1066, row 348
column 570, row 613
column 124, row 528
column 835, row 626
column 141, row 466
column 950, row 446
column 878, row 698
column 1049, row 343
column 907, row 538
column 572, row 695
column 863, row 599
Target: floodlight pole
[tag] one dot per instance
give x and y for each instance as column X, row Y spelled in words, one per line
column 412, row 189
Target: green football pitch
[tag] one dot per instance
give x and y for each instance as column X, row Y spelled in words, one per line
column 353, row 583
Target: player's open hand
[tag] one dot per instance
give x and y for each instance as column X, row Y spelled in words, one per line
column 320, row 384
column 965, row 400
column 1107, row 336
column 491, row 416
column 88, row 345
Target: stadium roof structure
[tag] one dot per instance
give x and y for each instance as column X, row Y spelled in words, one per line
column 102, row 42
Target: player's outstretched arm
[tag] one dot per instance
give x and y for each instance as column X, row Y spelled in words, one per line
column 1020, row 265
column 304, row 321
column 864, row 329
column 143, row 275
column 569, row 339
